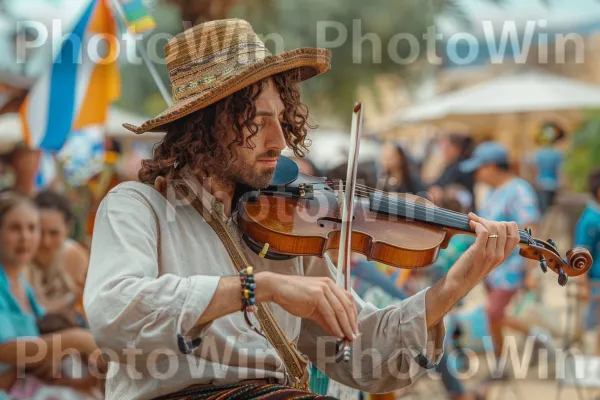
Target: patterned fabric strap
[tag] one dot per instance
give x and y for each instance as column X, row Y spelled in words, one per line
column 241, row 391
column 295, row 363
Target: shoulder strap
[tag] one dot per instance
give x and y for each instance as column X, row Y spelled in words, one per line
column 295, row 363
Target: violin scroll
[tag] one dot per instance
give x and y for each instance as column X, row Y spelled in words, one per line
column 577, row 263
column 579, row 259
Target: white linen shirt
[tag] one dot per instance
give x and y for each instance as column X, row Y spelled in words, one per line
column 155, row 265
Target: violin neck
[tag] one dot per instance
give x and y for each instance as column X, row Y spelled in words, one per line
column 426, row 212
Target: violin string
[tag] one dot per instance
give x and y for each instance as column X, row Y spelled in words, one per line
column 452, row 216
column 445, row 216
column 364, row 188
column 358, row 186
column 361, row 191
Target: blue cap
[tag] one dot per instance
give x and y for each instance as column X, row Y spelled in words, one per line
column 485, row 153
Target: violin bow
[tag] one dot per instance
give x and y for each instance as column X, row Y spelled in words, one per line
column 344, row 254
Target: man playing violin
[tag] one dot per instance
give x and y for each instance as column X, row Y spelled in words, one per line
column 158, row 271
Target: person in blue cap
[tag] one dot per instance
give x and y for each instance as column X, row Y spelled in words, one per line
column 510, row 198
column 587, row 235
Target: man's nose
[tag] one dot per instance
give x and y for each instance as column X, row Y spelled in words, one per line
column 276, row 137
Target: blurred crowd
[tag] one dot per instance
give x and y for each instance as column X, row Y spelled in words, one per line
column 44, row 238
column 44, row 256
column 483, row 177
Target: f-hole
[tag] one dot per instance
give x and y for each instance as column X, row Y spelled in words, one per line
column 330, row 219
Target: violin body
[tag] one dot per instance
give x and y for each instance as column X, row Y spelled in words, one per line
column 401, row 230
column 311, row 226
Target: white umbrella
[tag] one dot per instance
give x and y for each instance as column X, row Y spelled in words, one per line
column 518, row 93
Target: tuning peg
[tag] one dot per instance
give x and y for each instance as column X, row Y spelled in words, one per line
column 551, row 243
column 543, row 264
column 562, row 277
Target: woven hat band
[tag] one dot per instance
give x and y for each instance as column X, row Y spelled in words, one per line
column 203, row 74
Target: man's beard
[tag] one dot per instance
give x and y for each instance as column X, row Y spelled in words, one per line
column 240, row 171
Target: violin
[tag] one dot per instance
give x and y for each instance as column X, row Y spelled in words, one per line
column 302, row 215
column 404, row 231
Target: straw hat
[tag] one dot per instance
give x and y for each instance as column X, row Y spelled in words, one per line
column 213, row 60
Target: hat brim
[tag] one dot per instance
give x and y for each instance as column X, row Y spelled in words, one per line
column 309, row 62
column 469, row 165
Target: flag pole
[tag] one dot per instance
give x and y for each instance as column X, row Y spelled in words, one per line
column 159, row 83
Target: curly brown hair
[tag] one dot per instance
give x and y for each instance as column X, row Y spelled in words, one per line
column 196, row 140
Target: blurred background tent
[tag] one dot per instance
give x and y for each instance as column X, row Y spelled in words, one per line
column 508, row 108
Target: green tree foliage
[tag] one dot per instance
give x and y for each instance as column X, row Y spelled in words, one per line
column 198, row 11
column 584, row 154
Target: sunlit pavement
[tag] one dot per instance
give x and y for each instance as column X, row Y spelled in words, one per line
column 539, row 382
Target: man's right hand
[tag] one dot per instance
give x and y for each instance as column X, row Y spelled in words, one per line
column 316, row 298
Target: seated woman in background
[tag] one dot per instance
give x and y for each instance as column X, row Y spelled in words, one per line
column 59, row 267
column 22, row 374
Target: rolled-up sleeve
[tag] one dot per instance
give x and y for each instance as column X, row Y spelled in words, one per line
column 394, row 348
column 127, row 302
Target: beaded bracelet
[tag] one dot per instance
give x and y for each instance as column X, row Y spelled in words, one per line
column 248, row 287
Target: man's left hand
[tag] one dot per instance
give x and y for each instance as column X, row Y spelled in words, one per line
column 494, row 242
